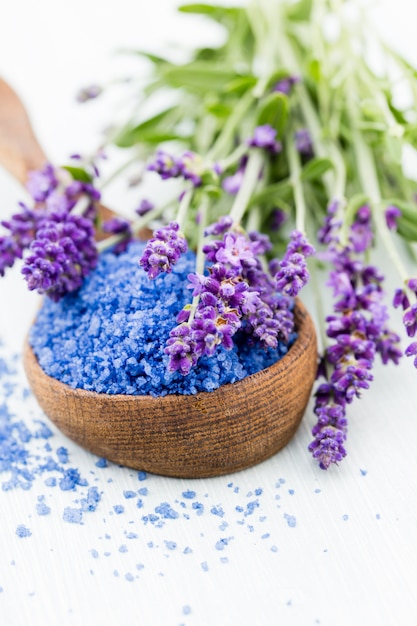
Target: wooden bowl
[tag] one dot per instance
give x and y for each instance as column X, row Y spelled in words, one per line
column 207, row 434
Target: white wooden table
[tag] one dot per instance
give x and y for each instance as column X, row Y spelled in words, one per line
column 281, row 543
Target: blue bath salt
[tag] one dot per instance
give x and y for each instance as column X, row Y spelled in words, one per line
column 291, row 520
column 110, row 335
column 23, row 531
column 128, row 494
column 73, row 516
column 62, row 454
column 42, row 508
column 189, row 494
column 90, row 503
column 102, row 463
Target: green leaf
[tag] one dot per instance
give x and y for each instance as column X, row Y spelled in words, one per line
column 272, row 194
column 393, row 147
column 314, row 70
column 150, row 56
column 274, row 111
column 148, row 135
column 315, row 168
column 202, row 76
column 218, row 109
column 407, row 229
column 217, row 13
column 78, row 173
column 240, row 85
column 152, row 126
column 300, row 11
column 213, row 191
column 355, row 203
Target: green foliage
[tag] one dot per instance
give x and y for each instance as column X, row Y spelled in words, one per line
column 273, row 110
column 78, row 173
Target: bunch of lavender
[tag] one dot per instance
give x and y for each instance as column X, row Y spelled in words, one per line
column 282, row 141
column 56, row 235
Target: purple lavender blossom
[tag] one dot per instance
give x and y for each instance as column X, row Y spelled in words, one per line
column 285, row 85
column 411, row 350
column 235, row 250
column 88, row 93
column 231, row 184
column 119, row 226
column 62, row 254
column 361, row 233
column 22, row 228
column 165, row 165
column 329, row 231
column 303, row 143
column 392, row 213
column 56, row 190
column 292, row 274
column 191, row 166
column 236, row 295
column 265, row 137
column 402, row 300
column 331, row 428
column 223, row 224
column 144, row 207
column 278, row 219
column 163, row 250
column 41, row 183
column 359, row 330
column 181, row 349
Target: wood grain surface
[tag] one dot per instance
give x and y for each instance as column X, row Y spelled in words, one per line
column 207, row 434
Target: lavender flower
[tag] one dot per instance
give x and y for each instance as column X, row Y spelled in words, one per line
column 56, row 190
column 89, row 93
column 285, row 85
column 361, row 233
column 236, row 295
column 144, row 207
column 292, row 272
column 22, row 227
column 303, row 143
column 165, row 165
column 278, row 219
column 392, row 213
column 359, row 330
column 265, row 137
column 119, row 226
column 192, row 167
column 231, row 184
column 62, row 254
column 181, row 349
column 331, row 429
column 41, row 183
column 163, row 250
column 223, row 224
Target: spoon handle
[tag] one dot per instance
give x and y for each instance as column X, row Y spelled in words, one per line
column 20, row 151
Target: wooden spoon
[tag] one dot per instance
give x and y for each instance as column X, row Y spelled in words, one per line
column 20, row 151
column 207, row 434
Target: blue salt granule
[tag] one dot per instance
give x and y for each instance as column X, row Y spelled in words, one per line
column 23, row 531
column 90, row 503
column 110, row 336
column 74, row 516
column 291, row 520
